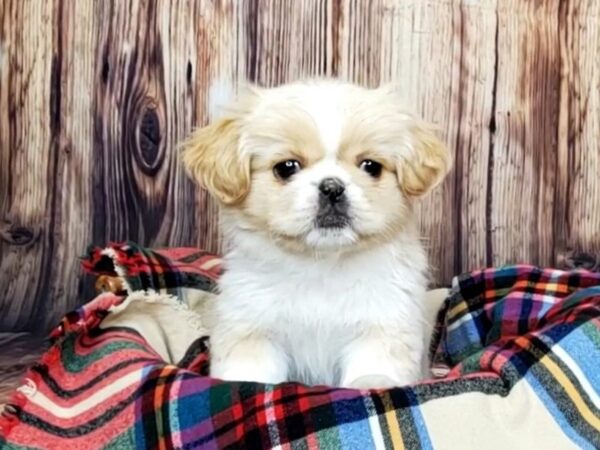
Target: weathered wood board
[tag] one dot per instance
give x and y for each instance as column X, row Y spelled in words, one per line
column 96, row 94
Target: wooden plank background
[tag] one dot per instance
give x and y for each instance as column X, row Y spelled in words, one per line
column 95, row 95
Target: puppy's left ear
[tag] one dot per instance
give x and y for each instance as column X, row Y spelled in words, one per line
column 428, row 163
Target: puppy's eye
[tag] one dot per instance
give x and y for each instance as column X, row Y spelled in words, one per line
column 373, row 168
column 286, row 169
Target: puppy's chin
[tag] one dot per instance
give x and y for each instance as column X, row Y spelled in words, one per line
column 326, row 239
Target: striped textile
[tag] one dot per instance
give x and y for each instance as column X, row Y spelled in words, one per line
column 516, row 351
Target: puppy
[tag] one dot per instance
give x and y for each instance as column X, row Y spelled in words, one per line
column 324, row 271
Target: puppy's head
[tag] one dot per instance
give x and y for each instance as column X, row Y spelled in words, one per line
column 318, row 166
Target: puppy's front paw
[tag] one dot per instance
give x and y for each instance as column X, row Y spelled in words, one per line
column 251, row 359
column 374, row 381
column 247, row 371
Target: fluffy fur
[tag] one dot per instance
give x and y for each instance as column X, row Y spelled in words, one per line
column 320, row 305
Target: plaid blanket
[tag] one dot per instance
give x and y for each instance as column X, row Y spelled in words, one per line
column 515, row 364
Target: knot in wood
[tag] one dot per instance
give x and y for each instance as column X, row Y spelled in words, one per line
column 17, row 235
column 582, row 260
column 148, row 150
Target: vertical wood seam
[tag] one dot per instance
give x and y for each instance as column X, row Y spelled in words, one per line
column 561, row 217
column 458, row 162
column 489, row 248
column 55, row 111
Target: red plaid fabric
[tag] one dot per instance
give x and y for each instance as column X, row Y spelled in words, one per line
column 500, row 328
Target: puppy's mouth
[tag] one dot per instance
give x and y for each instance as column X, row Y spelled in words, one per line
column 332, row 228
column 332, row 216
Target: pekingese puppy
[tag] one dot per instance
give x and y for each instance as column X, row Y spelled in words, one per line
column 324, row 271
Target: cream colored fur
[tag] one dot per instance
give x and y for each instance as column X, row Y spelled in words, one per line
column 339, row 306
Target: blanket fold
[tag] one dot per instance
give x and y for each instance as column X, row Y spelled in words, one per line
column 516, row 350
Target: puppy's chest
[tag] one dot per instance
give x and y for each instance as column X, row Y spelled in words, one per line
column 314, row 324
column 314, row 314
column 303, row 311
column 318, row 303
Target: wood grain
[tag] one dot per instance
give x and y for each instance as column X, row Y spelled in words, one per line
column 95, row 95
column 524, row 143
column 408, row 33
column 71, row 143
column 578, row 187
column 28, row 169
column 472, row 127
column 289, row 40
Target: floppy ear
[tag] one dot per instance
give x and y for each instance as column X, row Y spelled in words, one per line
column 211, row 155
column 428, row 163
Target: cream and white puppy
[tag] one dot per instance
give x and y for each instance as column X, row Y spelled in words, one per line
column 324, row 271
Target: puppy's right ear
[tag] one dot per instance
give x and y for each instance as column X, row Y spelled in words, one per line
column 212, row 156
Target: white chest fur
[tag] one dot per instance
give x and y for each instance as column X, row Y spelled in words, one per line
column 321, row 321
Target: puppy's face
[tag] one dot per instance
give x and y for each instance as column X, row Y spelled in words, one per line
column 318, row 166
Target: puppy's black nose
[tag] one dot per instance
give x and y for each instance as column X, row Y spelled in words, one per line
column 332, row 188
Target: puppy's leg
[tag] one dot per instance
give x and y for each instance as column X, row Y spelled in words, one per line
column 250, row 357
column 380, row 360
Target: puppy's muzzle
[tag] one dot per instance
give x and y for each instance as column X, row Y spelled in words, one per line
column 333, row 204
